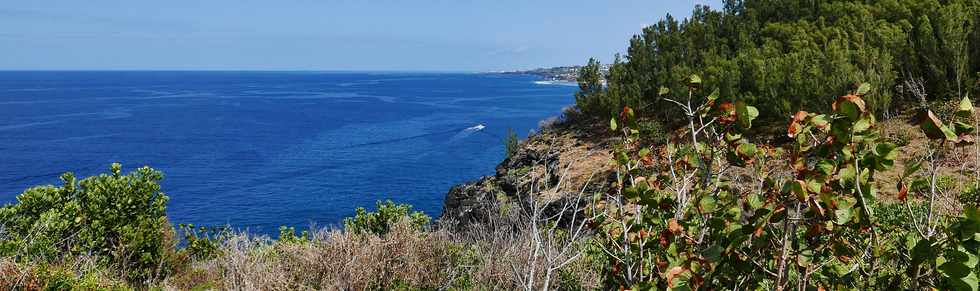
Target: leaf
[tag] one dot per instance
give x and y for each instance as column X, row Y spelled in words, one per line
column 887, row 151
column 862, row 125
column 851, row 106
column 863, row 89
column 673, row 273
column 712, row 253
column 674, row 227
column 826, row 167
column 961, row 128
column 968, row 282
column 663, row 91
column 931, row 125
column 955, row 269
column 746, row 114
column 794, row 126
column 965, row 109
column 627, row 115
column 746, row 150
column 694, row 81
column 796, row 187
column 903, row 191
column 726, row 113
column 714, row 95
column 612, row 124
column 708, row 204
column 820, row 121
column 948, row 134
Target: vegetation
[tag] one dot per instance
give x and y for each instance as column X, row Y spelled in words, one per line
column 120, row 220
column 786, row 56
column 511, row 143
column 694, row 202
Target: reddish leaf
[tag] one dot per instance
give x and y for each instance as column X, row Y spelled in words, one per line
column 727, row 113
column 674, row 227
column 673, row 272
column 903, row 191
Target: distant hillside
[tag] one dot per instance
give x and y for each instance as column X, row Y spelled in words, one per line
column 564, row 73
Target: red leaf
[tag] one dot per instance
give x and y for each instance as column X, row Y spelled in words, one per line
column 903, row 191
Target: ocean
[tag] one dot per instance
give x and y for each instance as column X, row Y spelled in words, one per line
column 256, row 150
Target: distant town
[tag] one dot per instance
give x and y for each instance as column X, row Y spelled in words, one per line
column 560, row 74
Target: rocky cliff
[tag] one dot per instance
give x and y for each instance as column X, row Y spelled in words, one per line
column 557, row 163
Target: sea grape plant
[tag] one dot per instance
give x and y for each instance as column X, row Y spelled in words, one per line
column 677, row 219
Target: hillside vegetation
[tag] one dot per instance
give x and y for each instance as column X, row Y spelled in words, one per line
column 771, row 145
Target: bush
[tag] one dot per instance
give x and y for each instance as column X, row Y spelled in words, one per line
column 120, row 219
column 511, row 143
column 387, row 214
column 653, row 132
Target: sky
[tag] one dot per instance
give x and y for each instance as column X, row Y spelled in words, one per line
column 369, row 35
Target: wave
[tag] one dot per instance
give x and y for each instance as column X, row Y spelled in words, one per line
column 557, row 83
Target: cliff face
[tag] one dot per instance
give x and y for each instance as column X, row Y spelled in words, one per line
column 558, row 163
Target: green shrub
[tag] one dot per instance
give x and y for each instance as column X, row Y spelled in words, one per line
column 202, row 242
column 120, row 219
column 970, row 197
column 653, row 132
column 387, row 215
column 288, row 235
column 511, row 143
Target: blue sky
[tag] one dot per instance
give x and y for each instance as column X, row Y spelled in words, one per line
column 432, row 35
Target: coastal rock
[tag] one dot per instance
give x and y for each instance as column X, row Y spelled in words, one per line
column 555, row 164
column 467, row 203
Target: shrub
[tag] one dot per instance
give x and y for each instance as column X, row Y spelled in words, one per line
column 202, row 242
column 387, row 214
column 118, row 218
column 511, row 143
column 653, row 132
column 819, row 226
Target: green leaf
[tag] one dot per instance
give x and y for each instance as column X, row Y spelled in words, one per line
column 955, row 269
column 644, row 152
column 746, row 114
column 826, row 167
column 694, row 81
column 820, row 121
column 713, row 253
column 708, row 204
column 949, row 134
column 968, row 282
column 965, row 109
column 961, row 128
column 797, row 188
column 863, row 89
column 746, row 150
column 851, row 106
column 663, row 91
column 931, row 125
column 714, row 95
column 612, row 124
column 886, row 151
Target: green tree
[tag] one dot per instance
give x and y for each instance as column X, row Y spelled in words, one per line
column 120, row 219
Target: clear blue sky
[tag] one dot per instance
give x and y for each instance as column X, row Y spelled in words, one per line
column 440, row 35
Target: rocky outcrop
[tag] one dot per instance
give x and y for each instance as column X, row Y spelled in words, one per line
column 554, row 165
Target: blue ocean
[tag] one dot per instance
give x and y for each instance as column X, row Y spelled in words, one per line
column 256, row 150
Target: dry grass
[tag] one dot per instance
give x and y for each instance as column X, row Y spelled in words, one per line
column 483, row 257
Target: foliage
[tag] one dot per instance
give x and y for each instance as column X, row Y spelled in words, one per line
column 511, row 143
column 387, row 215
column 817, row 226
column 118, row 218
column 791, row 55
column 202, row 242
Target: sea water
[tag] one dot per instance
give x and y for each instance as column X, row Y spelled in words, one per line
column 256, row 150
